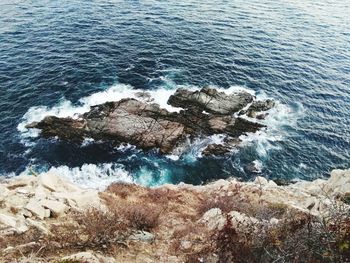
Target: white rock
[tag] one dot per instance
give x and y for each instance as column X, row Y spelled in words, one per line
column 34, row 207
column 4, row 192
column 185, row 244
column 56, row 207
column 17, row 224
column 56, row 183
column 214, row 219
column 274, row 221
column 8, row 220
column 41, row 192
column 260, row 181
column 271, row 184
column 338, row 183
column 21, row 181
column 80, row 199
column 242, row 219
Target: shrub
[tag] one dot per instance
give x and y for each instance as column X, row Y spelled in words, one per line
column 122, row 189
column 90, row 229
column 299, row 237
column 142, row 217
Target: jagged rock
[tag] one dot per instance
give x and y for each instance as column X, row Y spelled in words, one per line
column 338, row 183
column 16, row 224
column 214, row 219
column 55, row 207
column 80, row 199
column 210, row 100
column 239, row 219
column 55, row 183
column 34, row 207
column 21, row 181
column 259, row 106
column 146, row 125
column 216, row 149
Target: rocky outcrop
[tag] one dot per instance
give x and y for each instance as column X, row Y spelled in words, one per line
column 210, row 100
column 188, row 214
column 30, row 201
column 146, row 125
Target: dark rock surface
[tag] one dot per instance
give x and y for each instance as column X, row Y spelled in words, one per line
column 146, row 125
column 210, row 100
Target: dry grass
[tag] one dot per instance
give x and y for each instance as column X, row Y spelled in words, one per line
column 173, row 216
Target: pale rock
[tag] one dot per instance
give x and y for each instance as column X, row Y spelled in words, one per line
column 274, row 221
column 271, row 183
column 11, row 249
column 313, row 188
column 261, row 181
column 81, row 199
column 56, row 207
column 21, row 181
column 239, row 219
column 34, row 207
column 41, row 192
column 4, row 191
column 172, row 259
column 214, row 219
column 37, row 225
column 17, row 224
column 56, row 183
column 23, row 191
column 89, row 257
column 26, row 213
column 185, row 244
column 142, row 236
column 338, row 183
column 8, row 220
column 310, row 203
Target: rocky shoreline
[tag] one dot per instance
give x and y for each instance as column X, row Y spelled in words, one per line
column 44, row 201
column 144, row 124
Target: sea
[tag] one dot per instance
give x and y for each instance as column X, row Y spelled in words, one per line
column 61, row 57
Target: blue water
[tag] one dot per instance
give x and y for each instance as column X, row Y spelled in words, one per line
column 295, row 51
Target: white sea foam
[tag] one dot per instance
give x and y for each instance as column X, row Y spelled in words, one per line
column 66, row 108
column 280, row 121
column 94, row 176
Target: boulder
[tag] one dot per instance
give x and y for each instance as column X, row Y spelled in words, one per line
column 259, row 106
column 216, row 149
column 214, row 219
column 17, row 224
column 210, row 100
column 56, row 183
column 34, row 207
column 57, row 208
column 338, row 183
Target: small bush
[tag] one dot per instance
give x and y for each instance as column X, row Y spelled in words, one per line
column 299, row 237
column 142, row 217
column 122, row 190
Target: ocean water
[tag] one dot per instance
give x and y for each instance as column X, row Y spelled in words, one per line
column 61, row 57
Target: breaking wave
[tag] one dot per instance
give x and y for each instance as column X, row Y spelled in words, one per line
column 280, row 121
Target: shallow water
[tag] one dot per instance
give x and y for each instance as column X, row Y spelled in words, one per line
column 58, row 56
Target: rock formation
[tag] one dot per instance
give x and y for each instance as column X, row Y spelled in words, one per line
column 146, row 125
